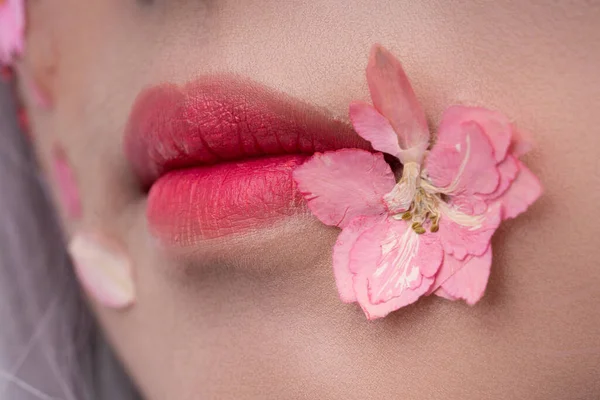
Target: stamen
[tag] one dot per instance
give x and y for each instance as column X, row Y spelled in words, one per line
column 424, row 209
column 418, row 228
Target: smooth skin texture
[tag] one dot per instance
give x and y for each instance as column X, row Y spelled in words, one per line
column 259, row 317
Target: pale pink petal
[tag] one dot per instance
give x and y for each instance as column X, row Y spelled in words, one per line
column 450, row 265
column 341, row 185
column 462, row 161
column 469, row 282
column 394, row 98
column 66, row 183
column 523, row 192
column 494, row 125
column 462, row 234
column 374, row 127
column 341, row 254
column 474, row 204
column 103, row 269
column 508, row 170
column 12, row 29
column 393, row 266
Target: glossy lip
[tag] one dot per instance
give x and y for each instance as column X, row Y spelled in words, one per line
column 217, row 155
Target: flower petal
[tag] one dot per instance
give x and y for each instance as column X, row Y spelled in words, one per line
column 394, row 98
column 375, row 128
column 462, row 161
column 494, row 125
column 523, row 192
column 341, row 254
column 341, row 185
column 477, row 204
column 467, row 282
column 393, row 266
column 463, row 234
column 12, row 29
column 508, row 170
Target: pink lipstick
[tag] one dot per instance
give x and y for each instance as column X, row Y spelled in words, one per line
column 217, row 155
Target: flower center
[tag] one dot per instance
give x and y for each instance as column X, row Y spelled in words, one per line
column 415, row 200
column 423, row 210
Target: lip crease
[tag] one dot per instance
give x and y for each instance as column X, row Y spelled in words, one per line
column 217, row 155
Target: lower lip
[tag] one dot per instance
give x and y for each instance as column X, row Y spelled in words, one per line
column 188, row 205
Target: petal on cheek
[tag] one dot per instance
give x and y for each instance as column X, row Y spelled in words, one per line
column 103, row 270
column 67, row 185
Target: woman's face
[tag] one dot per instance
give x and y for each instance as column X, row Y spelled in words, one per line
column 235, row 295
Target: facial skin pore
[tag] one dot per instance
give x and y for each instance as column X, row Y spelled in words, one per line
column 257, row 316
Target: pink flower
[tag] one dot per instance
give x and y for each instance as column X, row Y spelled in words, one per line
column 12, row 29
column 430, row 231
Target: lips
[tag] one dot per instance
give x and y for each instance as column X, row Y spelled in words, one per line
column 217, row 155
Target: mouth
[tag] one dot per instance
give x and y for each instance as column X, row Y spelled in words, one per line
column 217, row 155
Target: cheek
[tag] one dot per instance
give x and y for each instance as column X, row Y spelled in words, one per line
column 66, row 184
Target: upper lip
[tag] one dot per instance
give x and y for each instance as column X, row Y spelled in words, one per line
column 217, row 119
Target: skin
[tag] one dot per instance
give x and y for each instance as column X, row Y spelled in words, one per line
column 266, row 322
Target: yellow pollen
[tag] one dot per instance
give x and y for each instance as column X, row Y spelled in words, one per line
column 419, row 230
column 423, row 210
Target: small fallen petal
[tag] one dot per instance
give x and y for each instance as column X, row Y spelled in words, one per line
column 103, row 269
